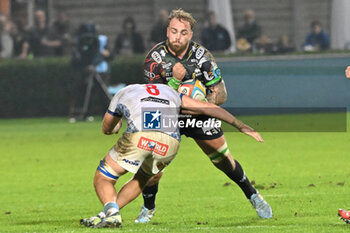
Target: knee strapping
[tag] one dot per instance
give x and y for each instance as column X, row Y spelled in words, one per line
column 218, row 155
column 107, row 171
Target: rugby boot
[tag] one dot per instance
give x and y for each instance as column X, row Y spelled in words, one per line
column 145, row 215
column 344, row 215
column 263, row 209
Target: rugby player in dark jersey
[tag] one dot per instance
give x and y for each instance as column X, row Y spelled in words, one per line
column 178, row 59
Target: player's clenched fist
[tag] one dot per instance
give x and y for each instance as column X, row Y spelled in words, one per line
column 347, row 72
column 179, row 71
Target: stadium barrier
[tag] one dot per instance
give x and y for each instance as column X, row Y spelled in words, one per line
column 288, row 82
column 47, row 87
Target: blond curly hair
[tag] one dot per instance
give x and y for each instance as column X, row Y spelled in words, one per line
column 182, row 15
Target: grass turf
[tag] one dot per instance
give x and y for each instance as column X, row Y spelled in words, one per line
column 47, row 166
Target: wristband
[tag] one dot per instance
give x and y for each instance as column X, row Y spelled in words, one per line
column 174, row 83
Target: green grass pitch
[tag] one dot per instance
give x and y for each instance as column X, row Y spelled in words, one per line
column 47, row 166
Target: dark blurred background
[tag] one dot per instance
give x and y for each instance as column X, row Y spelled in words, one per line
column 40, row 47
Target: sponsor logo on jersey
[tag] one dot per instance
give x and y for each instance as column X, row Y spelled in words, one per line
column 165, row 74
column 167, row 65
column 201, row 61
column 199, row 53
column 153, row 66
column 156, row 100
column 152, row 145
column 152, row 119
column 156, row 56
column 162, row 52
column 217, row 72
column 197, row 72
column 212, row 131
column 149, row 74
column 134, row 163
column 207, row 76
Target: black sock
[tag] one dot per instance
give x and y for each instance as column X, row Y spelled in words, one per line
column 243, row 182
column 149, row 196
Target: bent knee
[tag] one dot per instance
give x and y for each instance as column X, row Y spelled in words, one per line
column 219, row 154
column 105, row 171
column 154, row 179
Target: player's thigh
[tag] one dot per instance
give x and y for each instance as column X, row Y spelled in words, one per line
column 114, row 165
column 124, row 156
column 129, row 152
column 164, row 150
column 217, row 151
column 155, row 179
column 148, row 151
column 108, row 169
column 142, row 178
column 209, row 146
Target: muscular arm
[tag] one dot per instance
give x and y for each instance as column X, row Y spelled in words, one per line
column 212, row 79
column 218, row 94
column 111, row 124
column 192, row 106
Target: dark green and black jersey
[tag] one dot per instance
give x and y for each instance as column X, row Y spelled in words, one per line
column 198, row 61
column 199, row 64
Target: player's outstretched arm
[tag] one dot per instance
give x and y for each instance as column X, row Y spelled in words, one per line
column 111, row 124
column 347, row 72
column 192, row 106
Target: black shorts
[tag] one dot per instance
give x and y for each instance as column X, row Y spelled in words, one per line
column 209, row 132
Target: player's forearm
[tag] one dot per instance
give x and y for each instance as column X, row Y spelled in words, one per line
column 218, row 94
column 109, row 131
column 110, row 124
column 221, row 114
column 191, row 106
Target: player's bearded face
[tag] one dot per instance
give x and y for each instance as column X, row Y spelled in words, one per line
column 179, row 34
